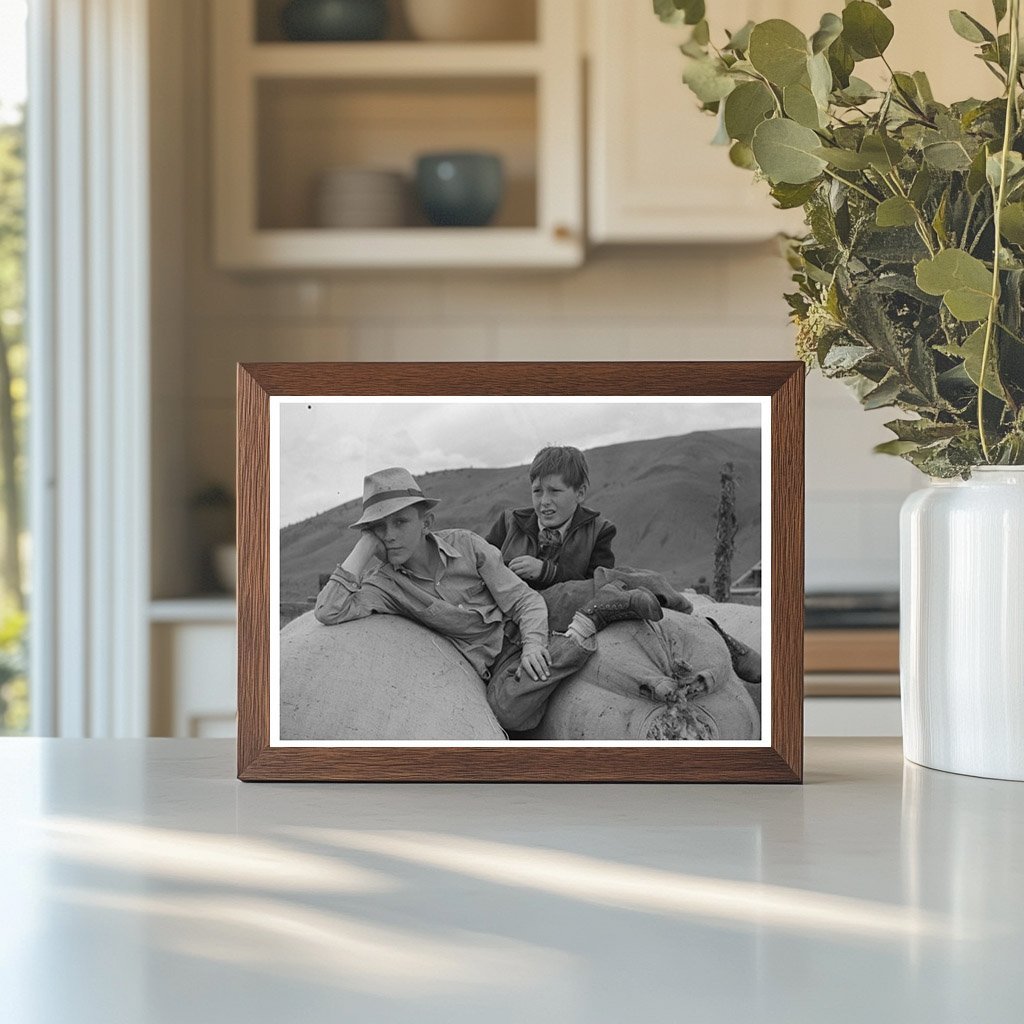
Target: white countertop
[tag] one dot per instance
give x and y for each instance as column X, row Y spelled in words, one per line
column 143, row 884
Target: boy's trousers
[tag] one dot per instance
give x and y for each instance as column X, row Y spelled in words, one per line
column 518, row 702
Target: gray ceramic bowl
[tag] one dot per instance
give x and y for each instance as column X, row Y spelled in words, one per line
column 460, row 189
column 334, row 20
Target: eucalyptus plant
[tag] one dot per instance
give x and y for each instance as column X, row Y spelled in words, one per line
column 910, row 278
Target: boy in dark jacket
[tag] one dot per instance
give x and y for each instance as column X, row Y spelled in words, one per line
column 559, row 538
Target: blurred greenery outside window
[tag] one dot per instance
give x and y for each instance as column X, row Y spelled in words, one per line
column 14, row 551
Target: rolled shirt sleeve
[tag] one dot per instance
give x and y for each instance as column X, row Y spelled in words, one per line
column 346, row 597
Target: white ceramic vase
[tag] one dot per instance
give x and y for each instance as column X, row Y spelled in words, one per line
column 962, row 624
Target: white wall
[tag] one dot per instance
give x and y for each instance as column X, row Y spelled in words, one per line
column 721, row 302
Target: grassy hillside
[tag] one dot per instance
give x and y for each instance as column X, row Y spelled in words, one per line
column 662, row 495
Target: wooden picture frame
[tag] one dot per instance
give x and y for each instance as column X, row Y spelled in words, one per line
column 778, row 757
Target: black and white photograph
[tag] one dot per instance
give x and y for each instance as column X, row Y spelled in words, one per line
column 488, row 571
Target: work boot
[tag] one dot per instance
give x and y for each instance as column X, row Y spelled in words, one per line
column 612, row 604
column 746, row 662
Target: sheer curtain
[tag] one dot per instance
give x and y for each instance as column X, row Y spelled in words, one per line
column 88, row 302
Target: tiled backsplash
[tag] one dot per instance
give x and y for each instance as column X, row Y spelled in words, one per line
column 701, row 303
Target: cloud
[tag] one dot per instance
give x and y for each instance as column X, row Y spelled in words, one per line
column 327, row 446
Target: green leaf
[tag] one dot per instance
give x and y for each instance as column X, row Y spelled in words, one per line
column 923, row 431
column 924, row 88
column 866, row 29
column 742, row 155
column 883, row 153
column 694, row 11
column 939, row 220
column 745, row 108
column 841, row 60
column 895, row 447
column 896, row 212
column 1011, row 226
column 821, row 220
column 994, row 167
column 707, row 80
column 999, row 7
column 789, row 197
column 778, row 50
column 906, row 89
column 968, row 28
column 976, row 175
column 739, row 41
column 997, row 53
column 830, row 28
column 963, row 281
column 921, row 186
column 885, row 394
column 971, row 352
column 676, row 12
column 701, row 33
column 800, row 105
column 946, row 156
column 785, row 152
column 857, row 91
column 668, row 12
column 921, row 369
column 820, row 75
column 844, row 159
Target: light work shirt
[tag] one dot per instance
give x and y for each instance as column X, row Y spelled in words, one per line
column 468, row 601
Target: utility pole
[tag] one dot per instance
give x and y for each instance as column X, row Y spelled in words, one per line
column 725, row 536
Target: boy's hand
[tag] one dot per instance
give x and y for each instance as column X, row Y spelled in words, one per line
column 526, row 567
column 371, row 545
column 367, row 548
column 536, row 661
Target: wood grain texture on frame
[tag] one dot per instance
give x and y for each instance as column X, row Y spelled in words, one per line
column 782, row 761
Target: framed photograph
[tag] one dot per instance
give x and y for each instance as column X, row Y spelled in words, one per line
column 513, row 572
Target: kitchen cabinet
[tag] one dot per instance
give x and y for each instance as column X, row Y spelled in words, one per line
column 193, row 674
column 653, row 175
column 286, row 113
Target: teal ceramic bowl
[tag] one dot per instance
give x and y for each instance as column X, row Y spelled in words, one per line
column 332, row 21
column 460, row 189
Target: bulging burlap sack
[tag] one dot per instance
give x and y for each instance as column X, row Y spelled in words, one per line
column 671, row 679
column 380, row 678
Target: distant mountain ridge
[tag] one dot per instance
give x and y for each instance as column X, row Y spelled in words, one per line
column 661, row 494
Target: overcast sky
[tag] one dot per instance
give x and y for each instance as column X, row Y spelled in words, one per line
column 327, row 447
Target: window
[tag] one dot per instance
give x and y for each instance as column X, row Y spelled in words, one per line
column 14, row 549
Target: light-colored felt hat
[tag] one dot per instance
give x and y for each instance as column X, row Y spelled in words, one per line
column 387, row 491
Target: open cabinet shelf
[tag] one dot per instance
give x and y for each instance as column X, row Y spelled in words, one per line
column 394, row 60
column 286, row 114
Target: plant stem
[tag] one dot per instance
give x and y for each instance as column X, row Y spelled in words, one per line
column 970, row 216
column 981, row 231
column 855, row 187
column 993, row 308
column 771, row 90
column 922, row 225
column 908, row 101
column 1012, row 334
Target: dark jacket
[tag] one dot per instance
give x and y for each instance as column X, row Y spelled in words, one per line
column 587, row 544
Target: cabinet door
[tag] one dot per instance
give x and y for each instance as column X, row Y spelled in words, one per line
column 653, row 174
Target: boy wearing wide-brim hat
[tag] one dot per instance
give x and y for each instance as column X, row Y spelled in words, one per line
column 454, row 582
